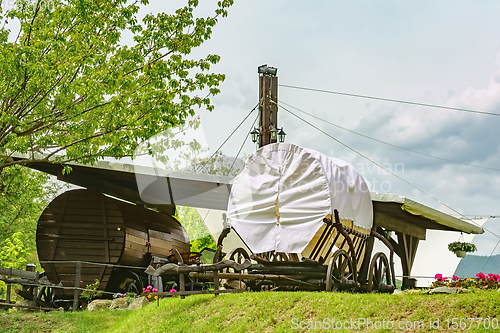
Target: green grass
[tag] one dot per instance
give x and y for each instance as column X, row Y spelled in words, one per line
column 264, row 312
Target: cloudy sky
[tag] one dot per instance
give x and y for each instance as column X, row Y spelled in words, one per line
column 434, row 52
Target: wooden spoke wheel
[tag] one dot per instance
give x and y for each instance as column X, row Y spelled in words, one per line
column 132, row 288
column 339, row 274
column 379, row 277
column 238, row 255
column 46, row 295
column 279, row 257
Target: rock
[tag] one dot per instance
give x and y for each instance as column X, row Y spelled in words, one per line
column 138, row 303
column 446, row 290
column 234, row 284
column 398, row 292
column 119, row 303
column 99, row 304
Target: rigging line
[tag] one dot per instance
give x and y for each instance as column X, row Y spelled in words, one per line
column 491, row 254
column 230, row 135
column 386, row 143
column 246, row 136
column 392, row 173
column 391, row 100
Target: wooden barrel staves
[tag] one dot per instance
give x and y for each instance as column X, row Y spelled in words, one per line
column 84, row 225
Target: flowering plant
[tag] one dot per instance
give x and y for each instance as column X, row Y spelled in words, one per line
column 482, row 281
column 148, row 292
column 461, row 246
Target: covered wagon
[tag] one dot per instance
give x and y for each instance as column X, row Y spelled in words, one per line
column 306, row 219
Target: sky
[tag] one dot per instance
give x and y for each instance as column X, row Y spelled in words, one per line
column 435, row 52
column 444, row 52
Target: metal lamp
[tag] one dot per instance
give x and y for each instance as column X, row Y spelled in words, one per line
column 255, row 134
column 274, row 133
column 281, row 135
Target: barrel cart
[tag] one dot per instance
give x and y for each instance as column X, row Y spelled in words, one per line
column 85, row 236
column 307, row 221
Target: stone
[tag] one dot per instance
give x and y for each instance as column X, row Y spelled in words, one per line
column 99, row 304
column 138, row 303
column 119, row 303
column 446, row 290
column 234, row 284
column 398, row 292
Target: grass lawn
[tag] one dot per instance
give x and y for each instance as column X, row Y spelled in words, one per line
column 276, row 312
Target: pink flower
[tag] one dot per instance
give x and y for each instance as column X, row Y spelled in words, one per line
column 480, row 276
column 455, row 278
column 149, row 287
column 172, row 291
column 154, row 290
column 440, row 277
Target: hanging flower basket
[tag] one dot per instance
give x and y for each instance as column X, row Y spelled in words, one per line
column 461, row 248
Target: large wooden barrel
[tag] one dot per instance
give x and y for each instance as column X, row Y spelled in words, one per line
column 84, row 225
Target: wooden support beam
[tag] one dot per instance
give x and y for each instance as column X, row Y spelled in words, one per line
column 406, row 249
column 391, row 223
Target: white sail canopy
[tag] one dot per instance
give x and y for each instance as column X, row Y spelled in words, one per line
column 279, row 199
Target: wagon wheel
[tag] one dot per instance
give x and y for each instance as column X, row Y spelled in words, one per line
column 238, row 255
column 379, row 269
column 340, row 271
column 46, row 294
column 278, row 256
column 132, row 288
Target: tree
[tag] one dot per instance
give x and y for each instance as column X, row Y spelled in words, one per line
column 198, row 233
column 70, row 88
column 14, row 252
column 24, row 194
column 195, row 159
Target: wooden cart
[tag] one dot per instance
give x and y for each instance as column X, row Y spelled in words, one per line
column 286, row 271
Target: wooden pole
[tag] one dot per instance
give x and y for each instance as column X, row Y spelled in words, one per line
column 268, row 103
column 78, row 275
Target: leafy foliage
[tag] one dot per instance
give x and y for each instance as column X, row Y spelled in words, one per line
column 198, row 234
column 14, row 252
column 23, row 196
column 91, row 291
column 71, row 89
column 196, row 160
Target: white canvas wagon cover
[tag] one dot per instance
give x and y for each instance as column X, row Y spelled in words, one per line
column 279, row 199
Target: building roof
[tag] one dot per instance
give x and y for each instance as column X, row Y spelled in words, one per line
column 160, row 189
